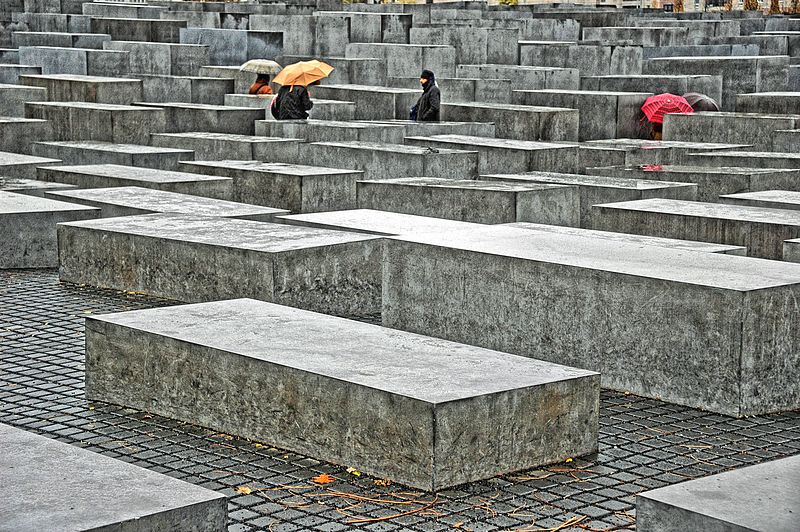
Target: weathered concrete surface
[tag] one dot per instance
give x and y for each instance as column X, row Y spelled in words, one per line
column 331, row 131
column 13, row 98
column 589, row 58
column 791, row 250
column 310, row 367
column 772, row 199
column 427, row 129
column 295, row 187
column 404, row 60
column 95, row 492
column 758, row 497
column 657, row 84
column 28, row 229
column 188, row 117
column 787, row 103
column 520, row 122
column 10, row 74
column 200, row 258
column 473, row 201
column 376, row 222
column 712, row 182
column 30, row 187
column 713, row 331
column 186, row 89
column 234, row 47
column 78, row 61
column 730, row 128
column 388, row 161
column 641, row 151
column 112, row 175
column 93, row 89
column 17, row 135
column 139, row 29
column 19, row 165
column 322, row 110
column 83, row 152
column 226, row 146
column 371, row 103
column 158, row 58
column 687, row 245
column 594, row 189
column 761, row 230
column 748, row 159
column 131, row 201
column 507, row 155
column 524, row 77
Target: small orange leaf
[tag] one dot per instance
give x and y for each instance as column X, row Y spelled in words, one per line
column 244, row 490
column 383, row 482
column 323, row 479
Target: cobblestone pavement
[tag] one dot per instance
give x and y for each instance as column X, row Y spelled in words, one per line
column 644, row 443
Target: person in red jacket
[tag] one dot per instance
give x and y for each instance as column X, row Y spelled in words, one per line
column 261, row 85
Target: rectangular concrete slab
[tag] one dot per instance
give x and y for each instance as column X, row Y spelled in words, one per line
column 748, row 159
column 459, row 413
column 712, row 331
column 89, row 491
column 17, row 135
column 791, row 250
column 331, row 131
column 480, row 202
column 758, row 497
column 83, row 152
column 28, row 229
column 31, row 187
column 112, row 175
column 227, row 146
column 96, row 89
column 761, row 230
column 131, row 201
column 187, row 117
column 295, row 187
column 520, row 122
column 772, row 199
column 19, row 165
column 201, row 258
column 677, row 151
column 375, row 222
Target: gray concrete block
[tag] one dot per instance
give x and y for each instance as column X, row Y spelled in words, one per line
column 594, row 189
column 189, row 117
column 734, row 128
column 711, row 181
column 758, row 497
column 657, row 84
column 30, row 187
column 772, row 199
column 95, row 492
column 406, row 60
column 372, row 103
column 19, row 165
column 761, row 230
column 28, row 229
column 648, row 36
column 13, row 98
column 59, row 39
column 83, row 152
column 223, row 146
column 331, row 131
column 473, row 45
column 791, row 250
column 786, row 141
column 302, row 358
column 139, row 29
column 387, row 161
column 591, row 59
column 242, row 80
column 524, row 77
column 323, row 109
column 464, row 89
column 473, row 201
column 427, row 129
column 374, row 222
column 186, row 89
column 297, row 188
column 234, row 47
column 518, row 122
column 98, row 121
column 661, row 323
column 77, row 61
column 132, row 201
column 163, row 59
column 92, row 89
column 505, row 155
column 775, row 103
column 111, row 175
column 296, row 30
column 327, row 271
column 10, row 74
column 747, row 159
column 17, row 135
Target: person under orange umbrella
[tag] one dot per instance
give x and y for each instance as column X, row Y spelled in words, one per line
column 293, row 100
column 655, row 107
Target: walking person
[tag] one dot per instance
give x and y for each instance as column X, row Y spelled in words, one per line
column 428, row 105
column 292, row 103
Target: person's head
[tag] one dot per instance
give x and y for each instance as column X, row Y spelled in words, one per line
column 427, row 78
column 263, row 78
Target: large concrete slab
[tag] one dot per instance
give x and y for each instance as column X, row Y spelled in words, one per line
column 712, row 331
column 28, row 229
column 17, row 135
column 731, row 128
column 327, row 271
column 159, row 58
column 772, row 199
column 226, row 146
column 758, row 497
column 188, row 117
column 77, row 61
column 641, row 151
column 520, row 122
column 657, row 84
column 19, row 165
column 371, row 103
column 113, row 175
column 331, row 131
column 594, row 189
column 95, row 492
column 473, row 201
column 94, row 89
column 30, row 187
column 83, row 152
column 748, row 159
column 711, row 181
column 131, row 201
column 426, row 129
column 295, row 187
column 375, row 222
column 761, row 230
column 791, row 250
column 470, row 408
column 186, row 89
column 14, row 97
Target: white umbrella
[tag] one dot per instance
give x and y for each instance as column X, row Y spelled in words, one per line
column 261, row 66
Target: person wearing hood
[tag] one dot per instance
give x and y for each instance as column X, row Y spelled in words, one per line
column 429, row 103
column 293, row 102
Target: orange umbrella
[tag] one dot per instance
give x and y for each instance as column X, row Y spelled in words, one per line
column 303, row 73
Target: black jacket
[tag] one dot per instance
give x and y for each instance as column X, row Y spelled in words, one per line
column 292, row 103
column 429, row 103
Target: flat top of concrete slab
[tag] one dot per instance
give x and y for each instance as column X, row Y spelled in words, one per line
column 681, row 169
column 10, row 184
column 722, row 211
column 98, row 106
column 371, row 88
column 338, row 124
column 548, row 42
column 789, row 197
column 204, row 135
column 80, row 78
column 8, row 159
column 97, row 145
column 715, row 270
column 90, row 491
column 411, row 365
column 585, row 93
column 162, row 201
column 715, row 58
column 511, row 107
column 758, row 497
column 490, row 142
column 751, row 154
column 195, row 106
column 20, row 88
column 652, row 144
column 649, row 76
column 393, row 148
column 438, row 182
column 420, row 124
column 272, row 168
column 733, row 115
column 12, row 203
column 20, row 120
column 135, row 173
column 377, row 222
column 519, row 67
column 161, row 44
column 688, row 245
column 589, row 180
column 776, row 93
column 224, row 232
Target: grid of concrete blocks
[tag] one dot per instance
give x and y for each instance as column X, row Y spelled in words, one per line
column 391, row 324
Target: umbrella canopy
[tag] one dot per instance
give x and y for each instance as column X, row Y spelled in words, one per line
column 655, row 107
column 303, row 73
column 261, row 66
column 701, row 102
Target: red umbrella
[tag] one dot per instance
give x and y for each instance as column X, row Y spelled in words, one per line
column 655, row 107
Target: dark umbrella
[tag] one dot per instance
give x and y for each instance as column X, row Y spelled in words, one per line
column 701, row 102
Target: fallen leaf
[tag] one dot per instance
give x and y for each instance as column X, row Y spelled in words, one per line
column 383, row 482
column 568, row 460
column 324, row 478
column 259, row 446
column 244, row 490
column 354, row 471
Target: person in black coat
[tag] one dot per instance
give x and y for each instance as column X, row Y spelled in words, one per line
column 292, row 103
column 429, row 103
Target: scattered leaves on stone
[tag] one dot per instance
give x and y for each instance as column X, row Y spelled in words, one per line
column 324, row 478
column 354, row 471
column 244, row 490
